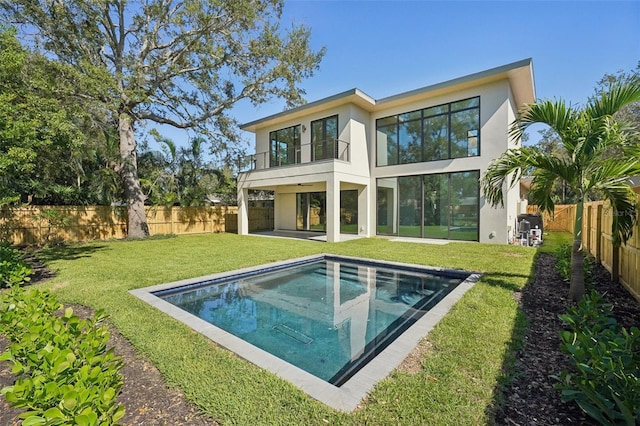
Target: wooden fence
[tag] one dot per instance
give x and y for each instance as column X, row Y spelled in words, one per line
column 597, row 239
column 49, row 224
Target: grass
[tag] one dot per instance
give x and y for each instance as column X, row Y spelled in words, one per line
column 460, row 377
column 553, row 240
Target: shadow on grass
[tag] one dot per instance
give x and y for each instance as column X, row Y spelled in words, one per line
column 502, row 280
column 515, row 343
column 68, row 252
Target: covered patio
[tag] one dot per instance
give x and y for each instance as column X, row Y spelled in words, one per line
column 332, row 206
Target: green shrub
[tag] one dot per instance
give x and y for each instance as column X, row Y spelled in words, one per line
column 13, row 269
column 563, row 264
column 605, row 381
column 66, row 374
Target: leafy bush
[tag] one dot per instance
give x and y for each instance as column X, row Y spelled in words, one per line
column 563, row 264
column 66, row 374
column 13, row 269
column 605, row 381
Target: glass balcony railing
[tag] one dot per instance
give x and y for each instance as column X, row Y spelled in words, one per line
column 332, row 149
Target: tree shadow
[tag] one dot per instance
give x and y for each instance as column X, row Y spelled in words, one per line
column 502, row 280
column 45, row 225
column 67, row 252
column 516, row 342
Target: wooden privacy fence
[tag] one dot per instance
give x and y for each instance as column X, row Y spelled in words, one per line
column 597, row 239
column 561, row 220
column 49, row 224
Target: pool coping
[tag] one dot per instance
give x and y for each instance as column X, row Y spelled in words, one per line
column 350, row 394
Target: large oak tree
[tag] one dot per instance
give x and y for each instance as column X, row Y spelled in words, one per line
column 179, row 63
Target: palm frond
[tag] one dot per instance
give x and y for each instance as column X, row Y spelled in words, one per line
column 556, row 114
column 506, row 168
column 609, row 102
column 509, row 167
column 611, row 178
column 623, row 206
column 540, row 193
column 611, row 172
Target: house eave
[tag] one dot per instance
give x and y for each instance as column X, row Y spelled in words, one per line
column 519, row 74
column 353, row 96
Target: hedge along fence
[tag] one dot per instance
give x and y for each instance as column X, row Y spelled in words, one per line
column 597, row 239
column 55, row 224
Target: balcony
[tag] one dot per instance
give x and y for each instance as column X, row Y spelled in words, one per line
column 331, row 149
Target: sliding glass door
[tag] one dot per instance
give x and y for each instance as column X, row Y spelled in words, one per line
column 443, row 206
column 311, row 210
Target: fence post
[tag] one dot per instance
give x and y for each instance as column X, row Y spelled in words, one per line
column 598, row 253
column 173, row 220
column 588, row 228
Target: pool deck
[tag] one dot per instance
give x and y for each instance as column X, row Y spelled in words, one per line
column 319, row 236
column 343, row 398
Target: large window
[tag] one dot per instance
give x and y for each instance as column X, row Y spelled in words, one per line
column 436, row 133
column 284, row 146
column 324, row 138
column 441, row 206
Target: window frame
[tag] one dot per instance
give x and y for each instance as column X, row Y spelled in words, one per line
column 395, row 121
column 397, row 201
column 293, row 153
column 324, row 139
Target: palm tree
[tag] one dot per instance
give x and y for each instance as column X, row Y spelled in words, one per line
column 601, row 155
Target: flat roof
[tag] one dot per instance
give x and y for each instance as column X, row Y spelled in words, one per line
column 519, row 74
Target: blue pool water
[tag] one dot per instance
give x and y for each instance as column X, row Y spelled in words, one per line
column 328, row 316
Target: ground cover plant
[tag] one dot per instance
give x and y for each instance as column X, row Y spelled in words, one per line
column 65, row 373
column 13, row 268
column 605, row 357
column 606, row 363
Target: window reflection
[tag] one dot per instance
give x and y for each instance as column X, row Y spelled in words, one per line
column 443, row 206
column 284, row 146
column 435, row 133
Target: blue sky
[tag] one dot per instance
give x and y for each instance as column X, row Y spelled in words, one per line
column 388, row 47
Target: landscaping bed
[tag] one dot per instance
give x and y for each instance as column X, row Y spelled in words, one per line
column 531, row 399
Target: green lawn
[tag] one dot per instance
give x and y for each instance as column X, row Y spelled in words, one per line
column 460, row 375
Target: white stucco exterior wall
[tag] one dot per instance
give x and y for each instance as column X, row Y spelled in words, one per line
column 501, row 91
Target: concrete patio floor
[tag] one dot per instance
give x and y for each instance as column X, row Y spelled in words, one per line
column 304, row 235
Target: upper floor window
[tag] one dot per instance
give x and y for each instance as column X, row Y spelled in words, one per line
column 284, row 146
column 440, row 132
column 324, row 138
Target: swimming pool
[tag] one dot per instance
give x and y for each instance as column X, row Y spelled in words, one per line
column 321, row 318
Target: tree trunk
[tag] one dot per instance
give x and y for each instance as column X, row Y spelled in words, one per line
column 615, row 265
column 576, row 287
column 137, row 220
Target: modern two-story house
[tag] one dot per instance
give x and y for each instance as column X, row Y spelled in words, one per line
column 403, row 166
